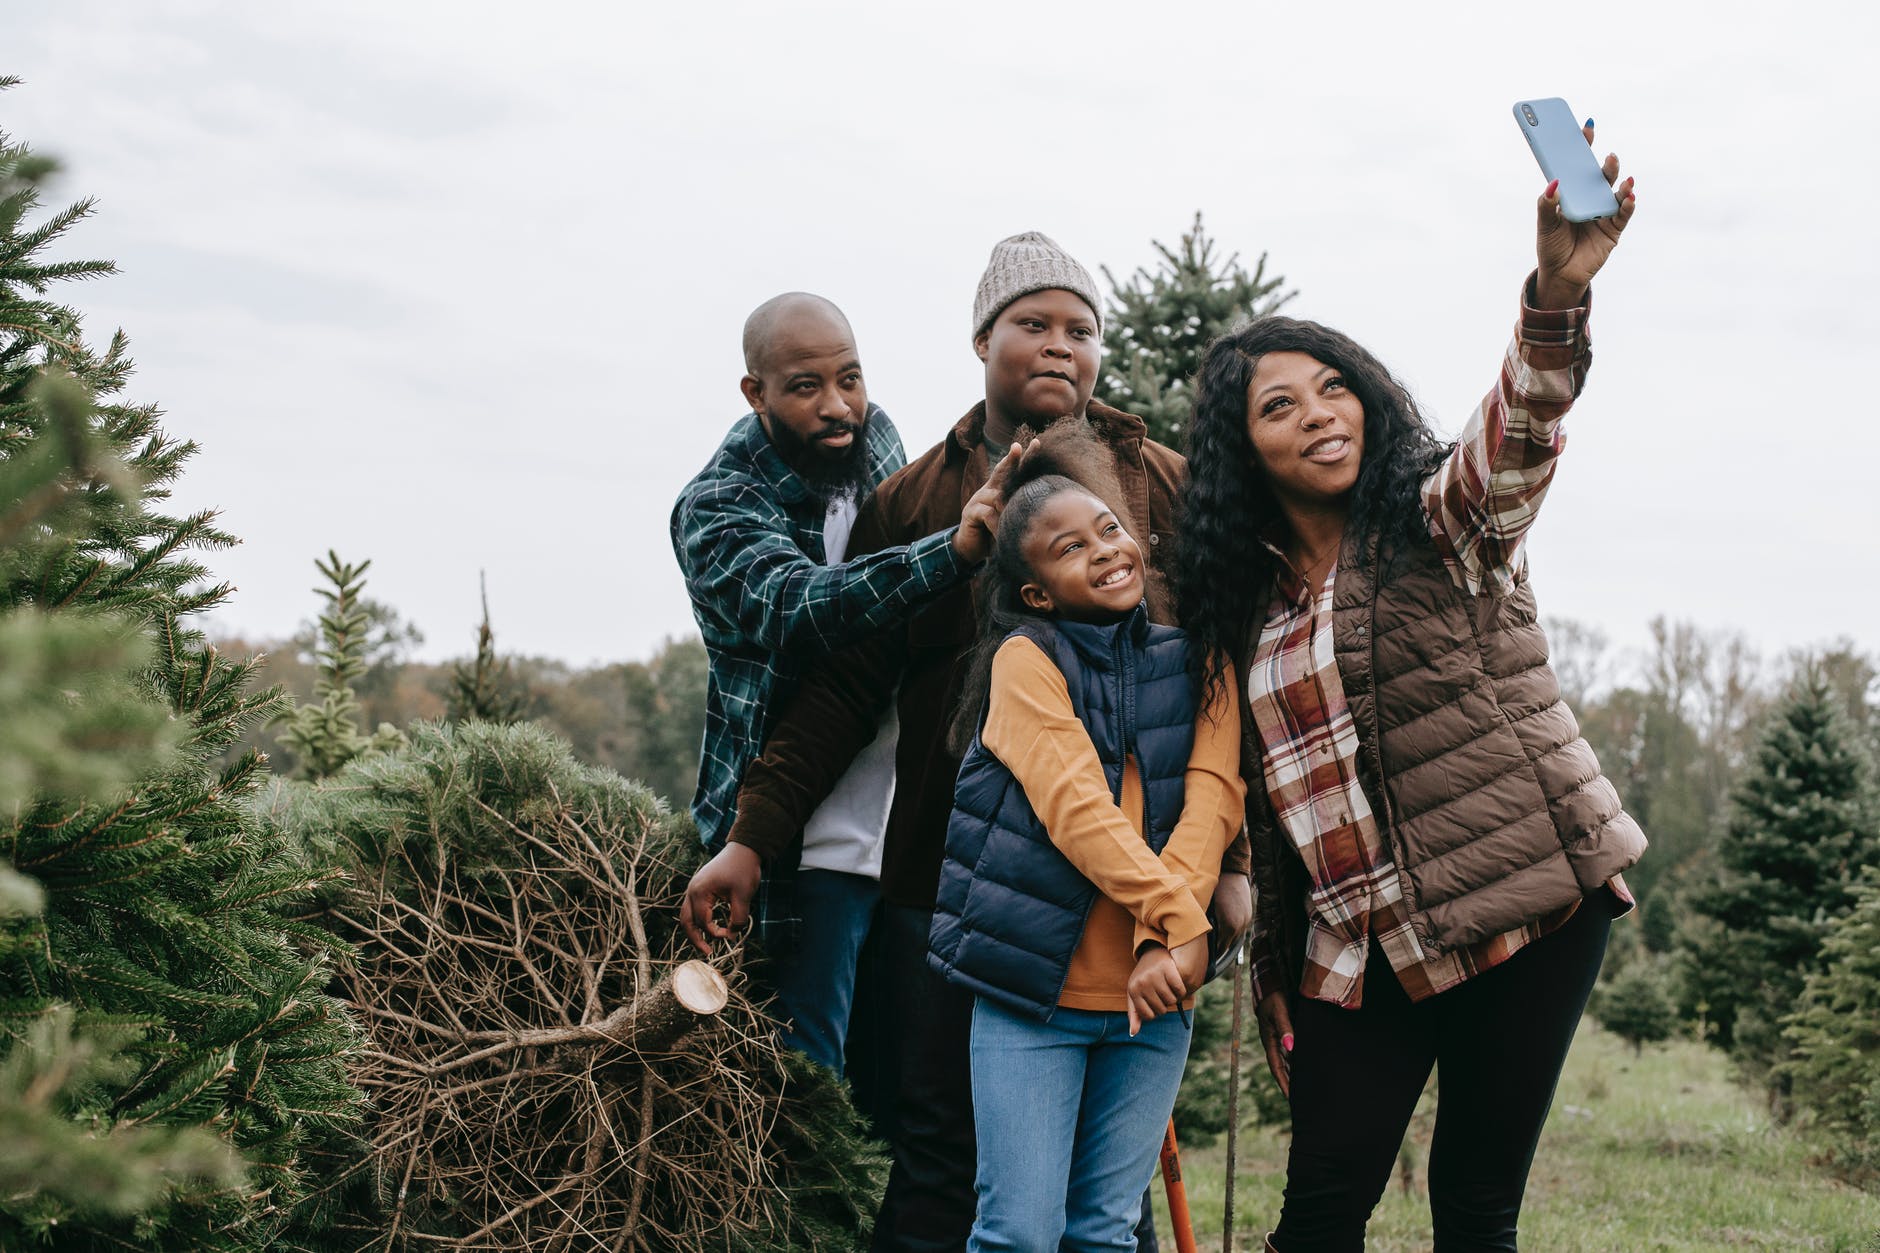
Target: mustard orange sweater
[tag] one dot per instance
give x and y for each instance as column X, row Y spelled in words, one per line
column 1032, row 728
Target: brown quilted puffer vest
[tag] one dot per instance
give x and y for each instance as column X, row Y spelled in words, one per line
column 1493, row 805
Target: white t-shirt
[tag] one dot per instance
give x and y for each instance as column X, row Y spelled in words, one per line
column 845, row 833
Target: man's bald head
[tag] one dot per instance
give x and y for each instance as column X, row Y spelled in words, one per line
column 803, row 380
column 793, row 316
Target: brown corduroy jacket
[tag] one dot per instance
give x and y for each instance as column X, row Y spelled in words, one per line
column 1493, row 804
column 834, row 714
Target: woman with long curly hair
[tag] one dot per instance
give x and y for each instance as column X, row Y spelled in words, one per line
column 1437, row 857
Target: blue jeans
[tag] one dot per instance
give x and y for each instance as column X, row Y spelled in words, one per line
column 1070, row 1115
column 815, row 980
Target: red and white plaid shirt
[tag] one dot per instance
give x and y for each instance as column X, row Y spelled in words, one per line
column 1480, row 503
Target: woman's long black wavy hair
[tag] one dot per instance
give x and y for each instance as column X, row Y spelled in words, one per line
column 1068, row 458
column 1222, row 569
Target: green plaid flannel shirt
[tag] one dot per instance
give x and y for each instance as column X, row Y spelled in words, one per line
column 748, row 533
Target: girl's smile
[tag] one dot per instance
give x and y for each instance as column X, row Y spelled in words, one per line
column 1084, row 565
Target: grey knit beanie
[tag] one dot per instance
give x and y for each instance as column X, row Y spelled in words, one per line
column 1024, row 264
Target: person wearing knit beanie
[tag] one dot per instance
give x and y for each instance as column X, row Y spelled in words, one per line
column 1038, row 329
column 1026, row 263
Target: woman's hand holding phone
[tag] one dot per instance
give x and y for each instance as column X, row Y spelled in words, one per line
column 1570, row 253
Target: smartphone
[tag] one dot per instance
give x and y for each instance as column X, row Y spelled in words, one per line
column 1553, row 132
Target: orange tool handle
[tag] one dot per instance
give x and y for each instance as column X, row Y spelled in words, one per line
column 1178, row 1219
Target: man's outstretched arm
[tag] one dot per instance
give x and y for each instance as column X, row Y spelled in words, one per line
column 832, row 718
column 751, row 582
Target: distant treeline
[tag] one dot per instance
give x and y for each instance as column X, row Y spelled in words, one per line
column 644, row 719
column 1672, row 726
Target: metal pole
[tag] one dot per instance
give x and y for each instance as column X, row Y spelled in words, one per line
column 1233, row 1104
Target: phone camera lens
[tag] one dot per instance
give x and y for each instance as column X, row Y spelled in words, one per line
column 1529, row 112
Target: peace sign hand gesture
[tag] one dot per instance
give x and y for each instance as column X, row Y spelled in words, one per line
column 1570, row 253
column 978, row 531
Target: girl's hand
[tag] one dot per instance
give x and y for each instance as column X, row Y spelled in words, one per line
column 1191, row 963
column 1155, row 985
column 1570, row 253
column 1276, row 1034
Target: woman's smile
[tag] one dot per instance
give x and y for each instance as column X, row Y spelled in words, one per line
column 1328, row 451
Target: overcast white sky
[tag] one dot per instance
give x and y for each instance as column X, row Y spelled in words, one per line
column 459, row 286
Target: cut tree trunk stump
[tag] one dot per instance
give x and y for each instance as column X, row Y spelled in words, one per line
column 654, row 1022
column 691, row 992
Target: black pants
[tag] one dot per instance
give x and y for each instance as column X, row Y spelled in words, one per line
column 929, row 1204
column 1497, row 1042
column 868, row 1052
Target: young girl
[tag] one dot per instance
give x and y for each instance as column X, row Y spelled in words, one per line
column 1093, row 806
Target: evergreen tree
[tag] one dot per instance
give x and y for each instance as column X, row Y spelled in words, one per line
column 1158, row 325
column 486, row 689
column 56, row 1159
column 1635, row 1005
column 1800, row 830
column 1674, row 745
column 1835, row 1035
column 72, row 720
column 1201, row 1103
column 325, row 735
column 157, row 913
column 642, row 719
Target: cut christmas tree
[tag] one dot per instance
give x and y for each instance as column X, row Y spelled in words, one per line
column 550, row 1066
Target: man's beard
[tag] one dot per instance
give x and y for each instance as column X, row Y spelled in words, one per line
column 830, row 478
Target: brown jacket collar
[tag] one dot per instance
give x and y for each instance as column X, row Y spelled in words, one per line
column 1113, row 425
column 964, row 445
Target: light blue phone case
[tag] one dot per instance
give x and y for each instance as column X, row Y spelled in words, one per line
column 1553, row 132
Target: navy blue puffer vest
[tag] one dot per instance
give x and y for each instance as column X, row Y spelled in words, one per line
column 1011, row 907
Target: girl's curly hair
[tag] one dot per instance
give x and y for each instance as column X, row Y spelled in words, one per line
column 1222, row 569
column 1068, row 457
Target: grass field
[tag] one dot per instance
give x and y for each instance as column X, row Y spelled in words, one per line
column 1658, row 1152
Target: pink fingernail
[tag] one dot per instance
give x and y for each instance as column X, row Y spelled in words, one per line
column 1551, row 188
column 1285, row 1041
